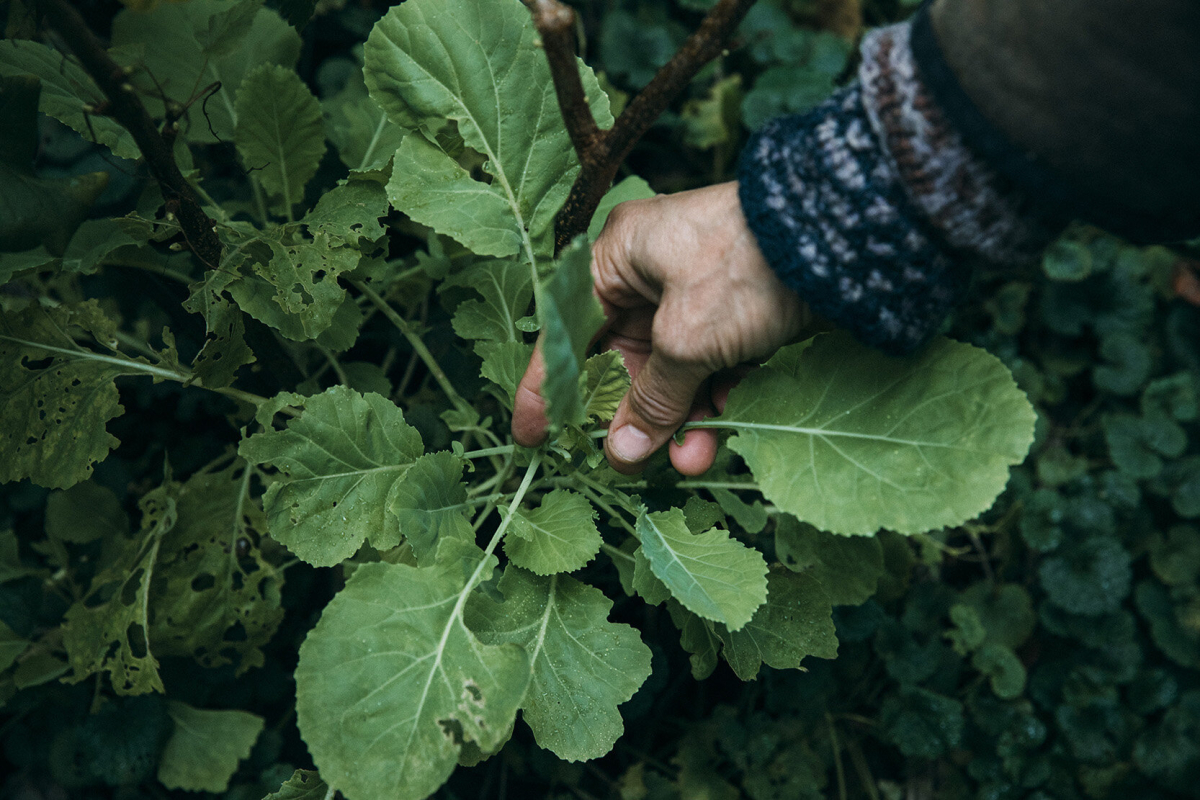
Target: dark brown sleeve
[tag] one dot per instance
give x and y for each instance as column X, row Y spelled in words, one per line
column 1102, row 95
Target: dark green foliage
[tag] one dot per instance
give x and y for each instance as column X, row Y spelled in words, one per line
column 1047, row 650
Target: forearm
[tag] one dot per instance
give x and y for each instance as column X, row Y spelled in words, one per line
column 968, row 136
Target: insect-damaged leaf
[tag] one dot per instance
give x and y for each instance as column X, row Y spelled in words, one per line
column 109, row 628
column 712, row 575
column 477, row 63
column 56, row 396
column 337, row 463
column 211, row 576
column 851, row 440
column 391, row 682
column 583, row 665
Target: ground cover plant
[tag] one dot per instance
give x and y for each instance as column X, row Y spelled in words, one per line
column 265, row 531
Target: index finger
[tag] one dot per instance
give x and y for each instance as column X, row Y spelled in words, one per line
column 529, row 420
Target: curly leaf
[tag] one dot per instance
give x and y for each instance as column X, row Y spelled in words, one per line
column 851, row 440
column 337, row 463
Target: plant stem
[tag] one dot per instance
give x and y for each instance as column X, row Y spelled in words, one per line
column 417, row 344
column 601, row 153
column 490, row 451
column 510, row 512
column 198, row 228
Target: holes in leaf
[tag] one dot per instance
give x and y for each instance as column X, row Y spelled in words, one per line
column 33, row 364
column 137, row 640
column 130, row 590
column 452, row 730
column 236, row 633
column 203, row 582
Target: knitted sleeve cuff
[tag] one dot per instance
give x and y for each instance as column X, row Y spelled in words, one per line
column 867, row 204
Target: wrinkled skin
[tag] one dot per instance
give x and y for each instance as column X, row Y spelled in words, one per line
column 688, row 299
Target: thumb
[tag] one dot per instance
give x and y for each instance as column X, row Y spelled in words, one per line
column 656, row 405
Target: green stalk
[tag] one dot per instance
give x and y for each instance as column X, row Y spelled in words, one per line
column 417, row 344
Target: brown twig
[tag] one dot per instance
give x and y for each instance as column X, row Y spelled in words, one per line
column 124, row 106
column 602, row 152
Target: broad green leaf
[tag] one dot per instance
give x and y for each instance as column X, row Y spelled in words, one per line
column 108, row 630
column 848, row 568
column 560, row 535
column 11, row 567
column 645, row 582
column 431, row 505
column 506, row 287
column 391, row 682
column 349, row 212
column 504, row 364
column 66, row 91
column 851, row 440
column 431, row 188
column 211, row 578
column 360, row 130
column 478, row 63
column 206, row 746
column 56, row 396
column 606, row 380
column 171, row 56
column 631, row 188
column 796, row 621
column 712, row 575
column 304, row 784
column 279, row 132
column 583, row 665
column 570, row 316
column 337, row 463
column 35, row 211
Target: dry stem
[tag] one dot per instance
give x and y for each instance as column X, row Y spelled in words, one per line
column 124, row 106
column 602, row 152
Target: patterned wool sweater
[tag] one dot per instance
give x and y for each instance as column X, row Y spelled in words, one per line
column 871, row 205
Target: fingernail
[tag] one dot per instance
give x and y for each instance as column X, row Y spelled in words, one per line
column 629, row 443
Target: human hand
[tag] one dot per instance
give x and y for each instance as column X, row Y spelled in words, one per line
column 686, row 293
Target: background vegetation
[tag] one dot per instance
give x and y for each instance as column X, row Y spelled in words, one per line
column 1049, row 649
